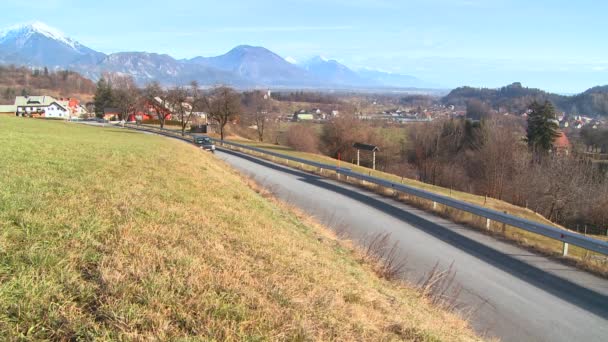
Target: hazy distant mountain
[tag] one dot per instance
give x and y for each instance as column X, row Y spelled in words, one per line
column 332, row 72
column 39, row 44
column 260, row 66
column 394, row 80
column 146, row 67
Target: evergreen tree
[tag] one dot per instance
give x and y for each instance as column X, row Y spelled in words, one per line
column 543, row 128
column 104, row 97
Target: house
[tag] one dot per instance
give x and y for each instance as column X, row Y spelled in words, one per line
column 32, row 105
column 111, row 114
column 303, row 116
column 57, row 109
column 48, row 107
column 76, row 109
column 8, row 109
column 562, row 144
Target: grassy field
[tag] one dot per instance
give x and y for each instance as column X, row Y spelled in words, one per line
column 585, row 259
column 109, row 234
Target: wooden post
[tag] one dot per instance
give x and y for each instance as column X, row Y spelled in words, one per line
column 374, row 160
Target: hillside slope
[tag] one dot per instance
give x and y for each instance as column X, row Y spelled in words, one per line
column 516, row 98
column 115, row 235
column 16, row 81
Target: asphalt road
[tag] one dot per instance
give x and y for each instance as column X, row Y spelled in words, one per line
column 507, row 292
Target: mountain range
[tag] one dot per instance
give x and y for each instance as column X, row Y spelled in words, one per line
column 38, row 45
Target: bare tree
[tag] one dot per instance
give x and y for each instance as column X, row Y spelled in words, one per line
column 156, row 99
column 494, row 164
column 258, row 110
column 223, row 105
column 185, row 103
column 303, row 138
column 126, row 95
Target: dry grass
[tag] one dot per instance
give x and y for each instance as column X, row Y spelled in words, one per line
column 107, row 234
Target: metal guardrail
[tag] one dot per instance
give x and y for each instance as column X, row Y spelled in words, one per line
column 564, row 236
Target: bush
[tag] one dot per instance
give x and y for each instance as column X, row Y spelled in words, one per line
column 303, row 138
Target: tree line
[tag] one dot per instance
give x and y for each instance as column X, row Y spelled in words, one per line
column 22, row 81
column 515, row 98
column 220, row 104
column 504, row 157
column 513, row 160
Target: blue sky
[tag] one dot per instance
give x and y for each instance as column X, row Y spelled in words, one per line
column 555, row 45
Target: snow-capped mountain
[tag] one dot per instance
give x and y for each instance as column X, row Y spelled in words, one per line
column 335, row 73
column 38, row 44
column 146, row 67
column 291, row 60
column 260, row 65
column 390, row 79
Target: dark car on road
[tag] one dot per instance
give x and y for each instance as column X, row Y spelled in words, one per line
column 204, row 142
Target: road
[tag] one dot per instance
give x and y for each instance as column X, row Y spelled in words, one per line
column 508, row 292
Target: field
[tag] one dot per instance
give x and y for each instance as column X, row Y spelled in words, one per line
column 110, row 234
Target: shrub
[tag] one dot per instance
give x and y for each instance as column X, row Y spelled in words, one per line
column 303, row 138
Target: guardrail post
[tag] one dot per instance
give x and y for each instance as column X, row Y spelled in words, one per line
column 565, row 249
column 488, row 222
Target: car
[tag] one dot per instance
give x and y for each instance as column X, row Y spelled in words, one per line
column 204, row 142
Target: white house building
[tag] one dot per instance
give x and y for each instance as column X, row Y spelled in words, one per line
column 47, row 107
column 30, row 105
column 57, row 110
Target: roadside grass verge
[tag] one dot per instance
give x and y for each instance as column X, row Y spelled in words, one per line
column 591, row 261
column 110, row 234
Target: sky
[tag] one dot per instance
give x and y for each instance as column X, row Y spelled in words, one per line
column 557, row 45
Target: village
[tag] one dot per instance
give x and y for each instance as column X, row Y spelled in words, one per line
column 70, row 108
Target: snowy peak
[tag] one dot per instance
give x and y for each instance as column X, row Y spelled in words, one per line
column 38, row 44
column 22, row 33
column 319, row 60
column 332, row 71
column 291, row 60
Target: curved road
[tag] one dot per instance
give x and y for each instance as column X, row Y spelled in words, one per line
column 509, row 292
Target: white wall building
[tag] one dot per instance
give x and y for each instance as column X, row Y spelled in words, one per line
column 56, row 110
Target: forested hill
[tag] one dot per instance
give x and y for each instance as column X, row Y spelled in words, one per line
column 516, row 98
column 16, row 81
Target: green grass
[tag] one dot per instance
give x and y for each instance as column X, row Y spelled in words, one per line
column 108, row 234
